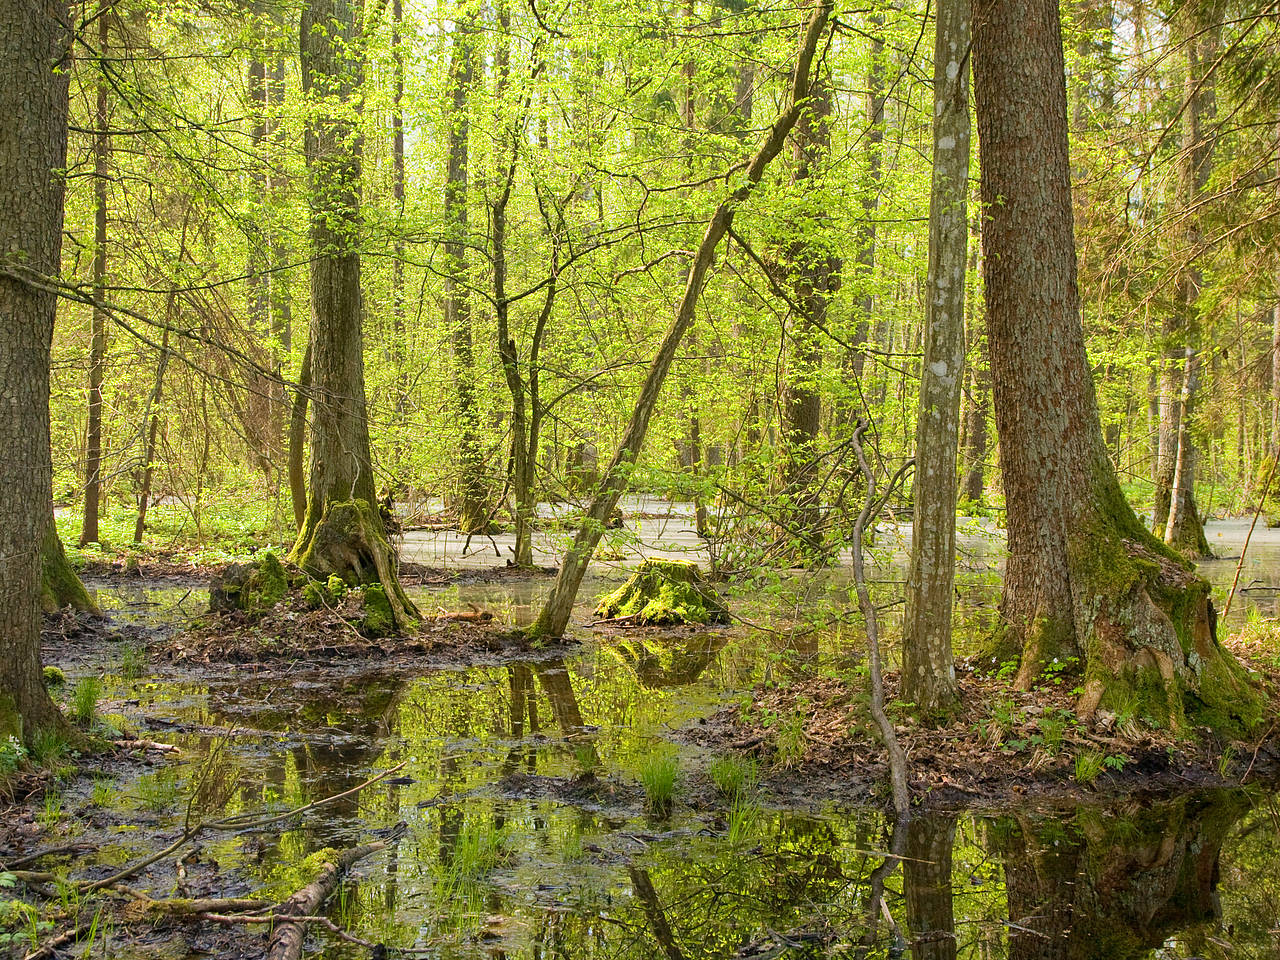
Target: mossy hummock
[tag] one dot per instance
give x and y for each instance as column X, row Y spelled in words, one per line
column 664, row 592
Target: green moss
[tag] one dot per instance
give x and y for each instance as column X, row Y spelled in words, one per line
column 59, row 585
column 664, row 592
column 315, row 595
column 54, row 677
column 288, row 878
column 267, row 584
column 335, row 588
column 10, row 718
column 377, row 620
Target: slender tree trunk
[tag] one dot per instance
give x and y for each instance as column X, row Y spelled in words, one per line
column 1084, row 579
column 815, row 274
column 98, row 333
column 342, row 531
column 35, row 65
column 555, row 613
column 298, row 441
column 473, row 511
column 928, row 672
column 873, row 118
column 1177, row 514
column 398, row 252
column 973, row 486
column 149, row 446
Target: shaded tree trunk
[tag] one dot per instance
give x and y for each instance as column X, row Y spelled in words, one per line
column 473, row 511
column 98, row 322
column 814, row 273
column 873, row 117
column 928, row 671
column 555, row 613
column 342, row 531
column 1085, row 579
column 35, row 64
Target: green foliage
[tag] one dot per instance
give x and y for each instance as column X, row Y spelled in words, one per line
column 54, row 677
column 733, row 776
column 1088, row 764
column 664, row 592
column 12, row 755
column 659, row 775
column 133, row 661
column 84, row 699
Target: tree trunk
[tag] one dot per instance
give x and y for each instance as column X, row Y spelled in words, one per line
column 555, row 613
column 1176, row 514
column 928, row 671
column 815, row 274
column 98, row 323
column 973, row 486
column 35, row 64
column 473, row 510
column 873, row 117
column 397, row 255
column 152, row 427
column 1084, row 579
column 342, row 531
column 298, row 441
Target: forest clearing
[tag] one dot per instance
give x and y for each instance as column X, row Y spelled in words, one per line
column 706, row 480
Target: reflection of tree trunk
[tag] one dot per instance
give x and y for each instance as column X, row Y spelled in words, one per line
column 927, row 871
column 1114, row 889
column 653, row 911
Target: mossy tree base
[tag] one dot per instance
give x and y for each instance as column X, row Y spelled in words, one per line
column 348, row 542
column 664, row 592
column 1143, row 630
column 59, row 585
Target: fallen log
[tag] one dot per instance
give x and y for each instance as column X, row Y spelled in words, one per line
column 290, row 932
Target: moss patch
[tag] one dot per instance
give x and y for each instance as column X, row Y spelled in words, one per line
column 59, row 585
column 377, row 620
column 664, row 592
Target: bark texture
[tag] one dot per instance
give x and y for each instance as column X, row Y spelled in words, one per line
column 341, row 531
column 35, row 63
column 928, row 670
column 1084, row 579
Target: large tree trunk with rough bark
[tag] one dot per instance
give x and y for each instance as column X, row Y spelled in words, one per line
column 35, row 63
column 341, row 532
column 1085, row 582
column 555, row 613
column 928, row 670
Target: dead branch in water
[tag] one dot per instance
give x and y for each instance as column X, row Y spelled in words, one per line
column 289, row 933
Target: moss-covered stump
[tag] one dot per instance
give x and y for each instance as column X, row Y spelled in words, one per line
column 349, row 543
column 252, row 587
column 664, row 592
column 59, row 585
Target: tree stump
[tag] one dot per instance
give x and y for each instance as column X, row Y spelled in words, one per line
column 664, row 592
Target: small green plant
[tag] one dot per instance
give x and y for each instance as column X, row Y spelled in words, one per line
column 743, row 815
column 160, row 790
column 49, row 746
column 789, row 738
column 84, row 699
column 54, row 677
column 1226, row 760
column 733, row 776
column 659, row 774
column 12, row 754
column 133, row 662
column 103, row 792
column 1088, row 764
column 51, row 813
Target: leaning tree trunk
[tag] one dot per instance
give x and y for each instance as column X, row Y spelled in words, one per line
column 1085, row 579
column 554, row 616
column 928, row 671
column 35, row 63
column 341, row 532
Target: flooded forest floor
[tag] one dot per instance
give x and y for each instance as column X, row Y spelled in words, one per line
column 684, row 792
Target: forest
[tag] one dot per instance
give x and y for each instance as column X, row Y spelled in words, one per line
column 724, row 479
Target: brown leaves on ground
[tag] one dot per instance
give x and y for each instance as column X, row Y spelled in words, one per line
column 1004, row 745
